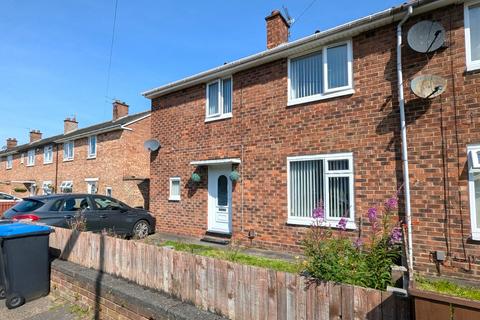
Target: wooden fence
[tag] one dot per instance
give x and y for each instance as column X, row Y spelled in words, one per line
column 233, row 290
column 4, row 206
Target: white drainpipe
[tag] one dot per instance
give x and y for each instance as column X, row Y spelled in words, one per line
column 403, row 128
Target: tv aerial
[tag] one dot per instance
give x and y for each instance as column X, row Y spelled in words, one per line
column 152, row 145
column 289, row 18
column 426, row 36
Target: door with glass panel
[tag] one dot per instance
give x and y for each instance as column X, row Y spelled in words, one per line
column 219, row 199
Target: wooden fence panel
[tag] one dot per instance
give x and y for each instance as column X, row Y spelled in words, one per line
column 233, row 290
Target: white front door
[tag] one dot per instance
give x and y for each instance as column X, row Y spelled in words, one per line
column 219, row 199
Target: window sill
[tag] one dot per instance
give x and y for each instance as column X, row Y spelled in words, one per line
column 8, row 168
column 221, row 117
column 91, row 157
column 325, row 96
column 51, row 162
column 67, row 160
column 329, row 223
column 476, row 236
column 174, row 199
column 473, row 66
column 30, row 165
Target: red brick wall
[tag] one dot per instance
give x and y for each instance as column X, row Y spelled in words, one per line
column 264, row 131
column 119, row 154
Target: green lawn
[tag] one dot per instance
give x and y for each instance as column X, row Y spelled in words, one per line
column 233, row 254
column 449, row 288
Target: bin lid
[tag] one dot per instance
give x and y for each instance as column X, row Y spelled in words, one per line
column 13, row 230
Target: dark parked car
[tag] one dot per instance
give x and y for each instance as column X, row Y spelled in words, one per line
column 98, row 212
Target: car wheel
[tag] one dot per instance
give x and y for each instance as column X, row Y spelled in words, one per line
column 14, row 301
column 3, row 293
column 141, row 229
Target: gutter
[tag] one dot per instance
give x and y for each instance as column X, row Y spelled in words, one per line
column 340, row 32
column 403, row 129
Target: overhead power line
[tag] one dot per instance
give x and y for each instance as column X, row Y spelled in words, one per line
column 303, row 12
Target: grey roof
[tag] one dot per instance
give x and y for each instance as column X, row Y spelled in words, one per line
column 100, row 127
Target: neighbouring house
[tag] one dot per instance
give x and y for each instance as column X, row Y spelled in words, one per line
column 317, row 119
column 105, row 158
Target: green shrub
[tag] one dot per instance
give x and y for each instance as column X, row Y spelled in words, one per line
column 334, row 257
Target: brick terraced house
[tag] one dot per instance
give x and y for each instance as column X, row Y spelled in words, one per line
column 106, row 158
column 250, row 147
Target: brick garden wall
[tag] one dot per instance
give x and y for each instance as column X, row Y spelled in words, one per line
column 263, row 132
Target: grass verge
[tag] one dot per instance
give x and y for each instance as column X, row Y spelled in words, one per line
column 233, row 254
column 448, row 288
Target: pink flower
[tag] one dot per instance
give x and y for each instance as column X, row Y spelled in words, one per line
column 342, row 224
column 319, row 211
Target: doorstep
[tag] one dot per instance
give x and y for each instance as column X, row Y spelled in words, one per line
column 112, row 295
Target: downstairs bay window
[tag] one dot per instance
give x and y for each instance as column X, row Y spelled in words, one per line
column 322, row 74
column 321, row 179
column 474, row 189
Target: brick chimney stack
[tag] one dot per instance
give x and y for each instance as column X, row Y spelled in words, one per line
column 277, row 29
column 35, row 135
column 69, row 125
column 11, row 143
column 120, row 109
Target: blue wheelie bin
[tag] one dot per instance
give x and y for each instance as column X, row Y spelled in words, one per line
column 24, row 263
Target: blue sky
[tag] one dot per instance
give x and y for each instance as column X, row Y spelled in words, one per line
column 54, row 53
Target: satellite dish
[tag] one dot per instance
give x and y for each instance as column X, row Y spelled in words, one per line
column 426, row 36
column 428, row 86
column 152, row 145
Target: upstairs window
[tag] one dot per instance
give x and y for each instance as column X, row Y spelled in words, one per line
column 92, row 146
column 474, row 189
column 174, row 189
column 321, row 180
column 472, row 34
column 322, row 74
column 48, row 154
column 31, row 157
column 68, row 151
column 9, row 163
column 219, row 99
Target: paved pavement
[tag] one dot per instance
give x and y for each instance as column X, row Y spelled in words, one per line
column 47, row 308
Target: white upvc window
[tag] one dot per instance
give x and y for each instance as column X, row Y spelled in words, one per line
column 108, row 191
column 48, row 154
column 321, row 74
column 21, row 157
column 472, row 34
column 47, row 187
column 68, row 150
column 474, row 188
column 66, row 187
column 321, row 180
column 92, row 147
column 174, row 189
column 31, row 157
column 9, row 162
column 219, row 99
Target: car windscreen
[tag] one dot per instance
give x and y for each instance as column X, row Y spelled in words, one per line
column 27, row 205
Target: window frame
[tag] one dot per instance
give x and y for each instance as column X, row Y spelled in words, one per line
column 470, row 64
column 49, row 149
column 9, row 162
column 45, row 185
column 472, row 169
column 220, row 114
column 329, row 221
column 29, row 157
column 327, row 93
column 111, row 191
column 65, row 157
column 91, row 155
column 66, row 184
column 171, row 196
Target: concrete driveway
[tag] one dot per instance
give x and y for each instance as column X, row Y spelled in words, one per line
column 47, row 308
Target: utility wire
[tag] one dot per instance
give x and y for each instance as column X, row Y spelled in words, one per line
column 303, row 12
column 111, row 50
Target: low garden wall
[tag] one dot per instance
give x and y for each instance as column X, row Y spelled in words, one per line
column 4, row 206
column 233, row 290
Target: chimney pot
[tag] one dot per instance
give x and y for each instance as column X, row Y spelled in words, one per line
column 11, row 143
column 120, row 110
column 35, row 135
column 69, row 125
column 277, row 29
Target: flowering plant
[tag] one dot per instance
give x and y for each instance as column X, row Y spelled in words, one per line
column 364, row 261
